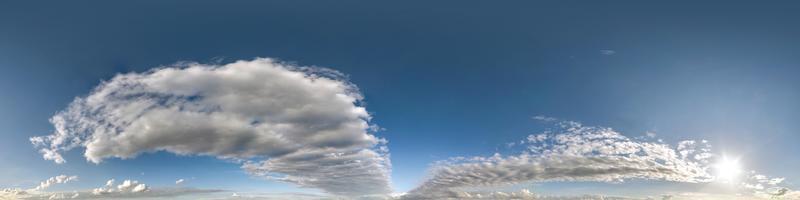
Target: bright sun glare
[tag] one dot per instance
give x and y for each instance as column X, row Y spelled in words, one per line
column 727, row 169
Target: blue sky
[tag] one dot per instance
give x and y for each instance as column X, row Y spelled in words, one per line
column 442, row 79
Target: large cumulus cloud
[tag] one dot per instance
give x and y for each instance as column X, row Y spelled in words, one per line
column 572, row 152
column 294, row 123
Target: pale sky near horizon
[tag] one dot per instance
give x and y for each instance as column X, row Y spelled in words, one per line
column 364, row 99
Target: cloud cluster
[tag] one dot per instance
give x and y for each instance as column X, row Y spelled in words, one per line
column 37, row 192
column 64, row 196
column 783, row 194
column 60, row 179
column 277, row 118
column 760, row 182
column 127, row 186
column 133, row 189
column 523, row 194
column 573, row 152
column 12, row 193
column 155, row 193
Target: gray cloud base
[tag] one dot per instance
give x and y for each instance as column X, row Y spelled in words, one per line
column 278, row 118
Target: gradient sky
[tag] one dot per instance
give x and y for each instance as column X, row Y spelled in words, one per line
column 443, row 79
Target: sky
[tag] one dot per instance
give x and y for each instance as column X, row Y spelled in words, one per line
column 399, row 100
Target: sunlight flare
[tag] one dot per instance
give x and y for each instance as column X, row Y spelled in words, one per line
column 727, row 169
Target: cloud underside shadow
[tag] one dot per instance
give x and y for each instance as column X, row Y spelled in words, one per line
column 277, row 119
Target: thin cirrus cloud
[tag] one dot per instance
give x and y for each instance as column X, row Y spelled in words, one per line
column 277, row 119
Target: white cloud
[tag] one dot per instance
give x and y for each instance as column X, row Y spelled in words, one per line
column 179, row 181
column 280, row 196
column 544, row 118
column 775, row 181
column 37, row 192
column 276, row 118
column 608, row 52
column 523, row 194
column 17, row 193
column 774, row 193
column 127, row 186
column 125, row 190
column 60, row 179
column 573, row 153
column 650, row 134
column 74, row 195
column 12, row 193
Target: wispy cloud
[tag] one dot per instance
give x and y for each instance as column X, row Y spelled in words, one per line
column 60, row 179
column 303, row 125
column 544, row 118
column 573, row 152
column 608, row 52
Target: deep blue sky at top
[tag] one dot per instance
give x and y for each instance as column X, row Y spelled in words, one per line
column 451, row 78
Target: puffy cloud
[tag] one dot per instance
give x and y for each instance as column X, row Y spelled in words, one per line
column 154, row 193
column 573, row 152
column 136, row 189
column 108, row 188
column 127, row 189
column 280, row 120
column 60, row 179
column 12, row 193
column 767, row 187
column 36, row 192
column 127, row 186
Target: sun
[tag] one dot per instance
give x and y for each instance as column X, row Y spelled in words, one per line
column 727, row 169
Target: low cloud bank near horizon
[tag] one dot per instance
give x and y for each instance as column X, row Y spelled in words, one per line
column 583, row 153
column 572, row 152
column 126, row 189
column 284, row 122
